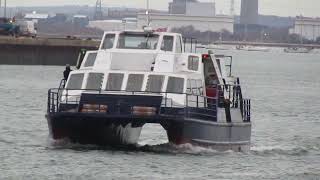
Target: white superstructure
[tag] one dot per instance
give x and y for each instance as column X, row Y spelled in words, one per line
column 146, row 61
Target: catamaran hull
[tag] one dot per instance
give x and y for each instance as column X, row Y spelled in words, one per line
column 219, row 136
column 102, row 130
column 93, row 130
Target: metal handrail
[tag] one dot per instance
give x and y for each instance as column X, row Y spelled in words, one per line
column 207, row 104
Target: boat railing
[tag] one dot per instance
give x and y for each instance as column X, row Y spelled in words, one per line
column 245, row 108
column 62, row 84
column 230, row 96
column 194, row 106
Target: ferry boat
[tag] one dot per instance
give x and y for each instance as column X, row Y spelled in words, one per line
column 140, row 77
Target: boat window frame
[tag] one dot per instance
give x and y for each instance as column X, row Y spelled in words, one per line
column 153, row 46
column 178, row 42
column 108, row 78
column 128, row 81
column 163, row 41
column 163, row 78
column 87, row 59
column 193, row 63
column 75, row 74
column 101, row 82
column 181, row 88
column 104, row 40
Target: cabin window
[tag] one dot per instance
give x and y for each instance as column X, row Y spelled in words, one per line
column 75, row 81
column 200, row 87
column 189, row 87
column 167, row 43
column 193, row 63
column 178, row 45
column 108, row 41
column 94, row 81
column 194, row 87
column 155, row 83
column 91, row 58
column 175, row 85
column 135, row 82
column 114, row 81
column 138, row 41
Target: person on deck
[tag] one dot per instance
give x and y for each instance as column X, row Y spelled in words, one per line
column 66, row 72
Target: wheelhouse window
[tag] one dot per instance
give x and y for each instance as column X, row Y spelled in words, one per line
column 193, row 63
column 155, row 83
column 108, row 41
column 167, row 43
column 175, row 85
column 94, row 81
column 178, row 45
column 114, row 81
column 135, row 82
column 75, row 81
column 138, row 41
column 91, row 58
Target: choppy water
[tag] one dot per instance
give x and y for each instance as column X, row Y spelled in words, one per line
column 284, row 88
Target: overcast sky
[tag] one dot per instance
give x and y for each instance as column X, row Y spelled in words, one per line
column 273, row 7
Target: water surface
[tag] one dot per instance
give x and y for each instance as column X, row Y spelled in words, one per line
column 284, row 89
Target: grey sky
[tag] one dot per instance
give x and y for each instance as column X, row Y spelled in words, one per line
column 274, row 7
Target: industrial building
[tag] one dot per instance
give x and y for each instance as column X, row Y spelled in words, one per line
column 308, row 28
column 114, row 25
column 201, row 23
column 249, row 12
column 207, row 9
column 179, row 6
column 182, row 13
column 192, row 8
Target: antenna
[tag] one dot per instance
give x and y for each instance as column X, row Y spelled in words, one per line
column 98, row 14
column 147, row 13
column 232, row 8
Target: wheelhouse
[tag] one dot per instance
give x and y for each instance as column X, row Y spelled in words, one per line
column 140, row 40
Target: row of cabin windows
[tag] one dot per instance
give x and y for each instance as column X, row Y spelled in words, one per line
column 193, row 61
column 166, row 45
column 135, row 82
column 195, row 87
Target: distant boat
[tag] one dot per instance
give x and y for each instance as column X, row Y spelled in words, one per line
column 217, row 47
column 252, row 48
column 297, row 50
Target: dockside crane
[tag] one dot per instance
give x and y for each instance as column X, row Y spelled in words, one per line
column 98, row 14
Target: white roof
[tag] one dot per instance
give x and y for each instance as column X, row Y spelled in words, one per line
column 36, row 16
